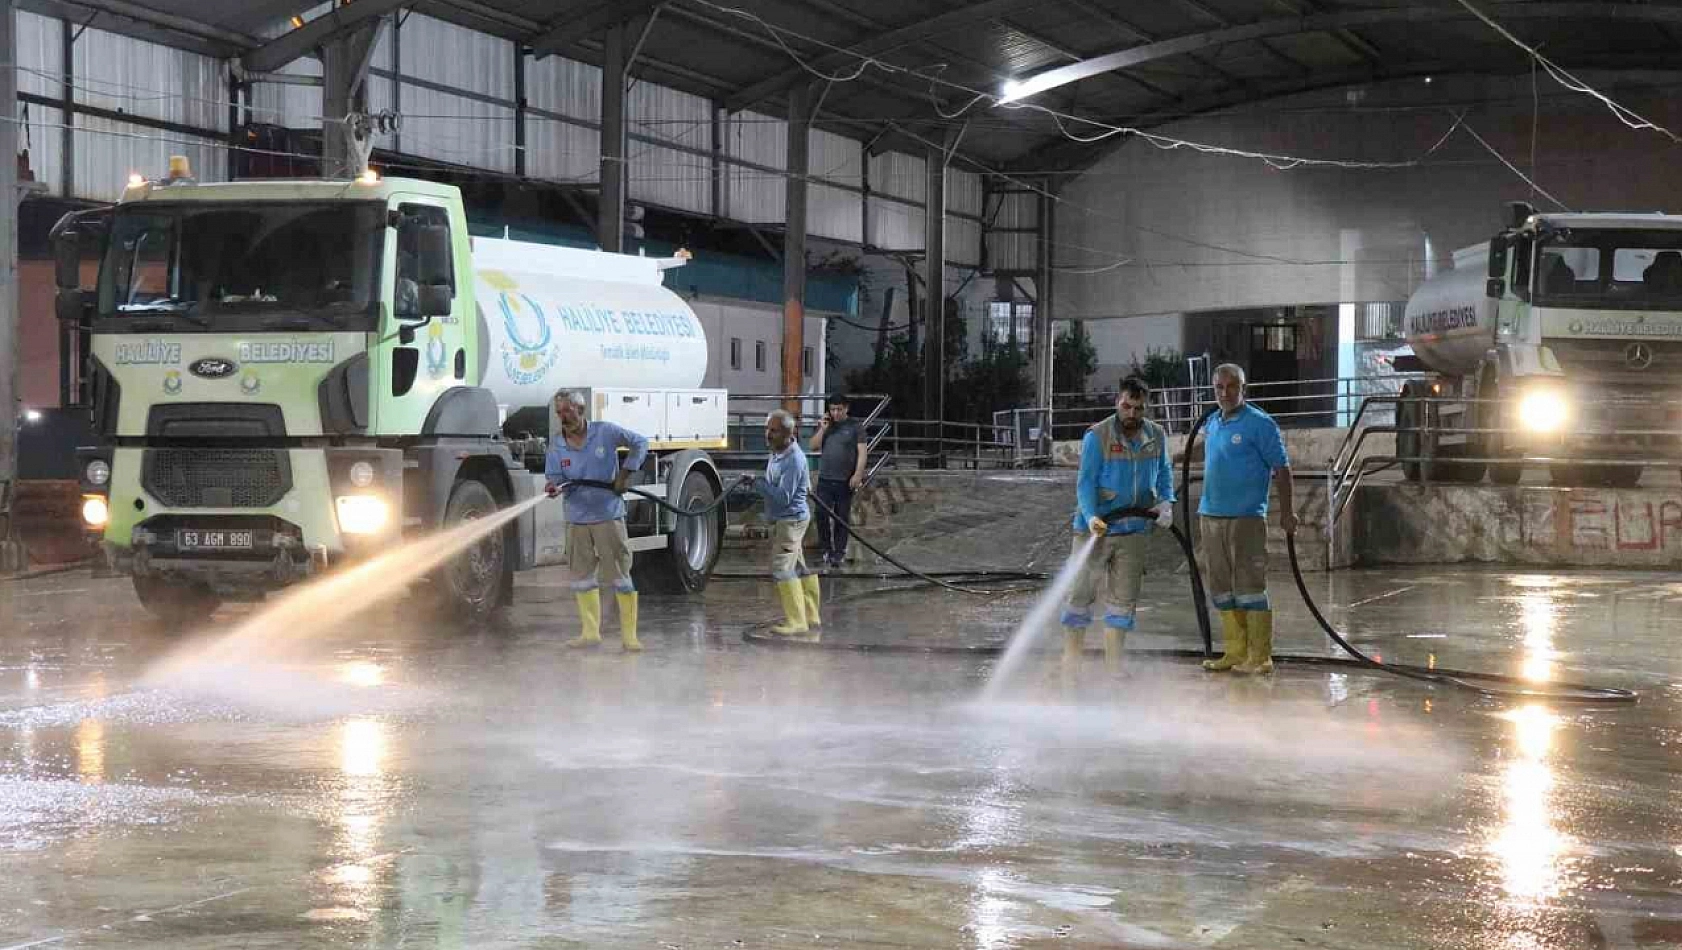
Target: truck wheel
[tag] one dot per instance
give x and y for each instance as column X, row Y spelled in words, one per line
column 1615, row 476
column 473, row 583
column 1506, row 473
column 686, row 563
column 173, row 601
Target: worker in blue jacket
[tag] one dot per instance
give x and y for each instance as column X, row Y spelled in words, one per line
column 1123, row 464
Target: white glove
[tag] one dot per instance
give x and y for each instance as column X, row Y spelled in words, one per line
column 1164, row 516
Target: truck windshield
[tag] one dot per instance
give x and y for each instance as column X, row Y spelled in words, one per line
column 1610, row 270
column 281, row 265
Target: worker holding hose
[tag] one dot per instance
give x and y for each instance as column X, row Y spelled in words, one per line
column 1243, row 453
column 784, row 486
column 1123, row 465
column 598, row 548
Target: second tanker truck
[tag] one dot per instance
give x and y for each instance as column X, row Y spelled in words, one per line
column 1558, row 341
column 290, row 374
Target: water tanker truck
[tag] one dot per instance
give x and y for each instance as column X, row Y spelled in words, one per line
column 1559, row 339
column 287, row 375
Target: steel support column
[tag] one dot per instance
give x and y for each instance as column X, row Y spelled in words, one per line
column 610, row 209
column 934, row 284
column 345, row 59
column 1045, row 280
column 11, row 552
column 794, row 239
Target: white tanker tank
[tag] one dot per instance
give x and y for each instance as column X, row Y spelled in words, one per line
column 1450, row 319
column 553, row 317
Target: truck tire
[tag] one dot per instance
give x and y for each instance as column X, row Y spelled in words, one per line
column 473, row 585
column 686, row 563
column 1614, row 476
column 175, row 602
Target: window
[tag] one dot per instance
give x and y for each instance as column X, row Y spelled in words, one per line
column 213, row 267
column 1002, row 315
column 735, row 352
column 1610, row 270
column 414, row 219
column 806, row 361
column 759, row 355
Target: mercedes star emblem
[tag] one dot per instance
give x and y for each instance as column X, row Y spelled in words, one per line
column 1638, row 356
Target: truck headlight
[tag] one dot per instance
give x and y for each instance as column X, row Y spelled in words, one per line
column 98, row 472
column 363, row 514
column 1543, row 410
column 96, row 512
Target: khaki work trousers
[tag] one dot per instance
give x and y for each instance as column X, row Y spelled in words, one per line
column 1119, row 560
column 788, row 549
column 599, row 554
column 1235, row 562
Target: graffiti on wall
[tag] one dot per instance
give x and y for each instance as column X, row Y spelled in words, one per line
column 1583, row 521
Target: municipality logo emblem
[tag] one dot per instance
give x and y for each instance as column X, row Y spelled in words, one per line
column 1238, row 438
column 435, row 351
column 172, row 382
column 1576, row 326
column 250, row 384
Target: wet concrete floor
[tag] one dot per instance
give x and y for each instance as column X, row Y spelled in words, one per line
column 396, row 784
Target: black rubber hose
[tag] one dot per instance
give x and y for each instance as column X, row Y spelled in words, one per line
column 928, row 578
column 663, row 503
column 1199, row 598
column 1498, row 685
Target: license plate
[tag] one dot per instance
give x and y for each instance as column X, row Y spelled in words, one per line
column 213, row 540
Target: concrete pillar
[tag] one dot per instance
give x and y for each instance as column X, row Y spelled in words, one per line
column 1045, row 345
column 11, row 552
column 610, row 208
column 794, row 239
column 344, row 94
column 934, row 286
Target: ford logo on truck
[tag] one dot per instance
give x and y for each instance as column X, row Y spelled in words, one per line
column 212, row 367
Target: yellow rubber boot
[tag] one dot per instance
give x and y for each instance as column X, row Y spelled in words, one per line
column 1233, row 633
column 793, row 598
column 809, row 586
column 590, row 612
column 1074, row 644
column 1115, row 646
column 628, row 621
column 1259, row 623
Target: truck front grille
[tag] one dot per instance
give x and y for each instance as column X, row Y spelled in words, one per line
column 217, row 478
column 1621, row 359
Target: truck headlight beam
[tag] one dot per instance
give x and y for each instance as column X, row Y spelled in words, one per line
column 1543, row 410
column 363, row 514
column 96, row 512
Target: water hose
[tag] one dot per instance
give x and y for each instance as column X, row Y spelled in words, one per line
column 1495, row 685
column 1484, row 684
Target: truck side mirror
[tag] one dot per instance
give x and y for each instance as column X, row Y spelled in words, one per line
column 432, row 244
column 67, row 261
column 1496, row 287
column 70, row 305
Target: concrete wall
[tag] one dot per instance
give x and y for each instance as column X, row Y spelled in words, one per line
column 1328, row 235
column 1122, row 342
column 1589, row 527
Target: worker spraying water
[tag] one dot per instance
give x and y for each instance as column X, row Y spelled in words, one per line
column 785, row 486
column 1123, row 465
column 598, row 547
